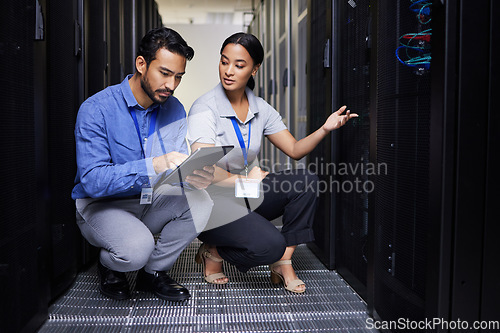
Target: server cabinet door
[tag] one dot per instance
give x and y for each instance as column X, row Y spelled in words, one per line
column 353, row 168
column 23, row 245
column 64, row 83
column 320, row 107
column 401, row 114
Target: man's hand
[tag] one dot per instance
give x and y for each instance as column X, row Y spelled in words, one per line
column 168, row 161
column 200, row 179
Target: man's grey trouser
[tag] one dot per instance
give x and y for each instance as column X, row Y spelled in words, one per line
column 123, row 228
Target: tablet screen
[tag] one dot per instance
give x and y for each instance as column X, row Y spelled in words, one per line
column 201, row 157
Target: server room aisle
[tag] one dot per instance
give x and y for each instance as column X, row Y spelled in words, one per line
column 248, row 303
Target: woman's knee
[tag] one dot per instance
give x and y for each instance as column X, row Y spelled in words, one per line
column 268, row 249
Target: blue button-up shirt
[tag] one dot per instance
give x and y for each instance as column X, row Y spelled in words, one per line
column 110, row 161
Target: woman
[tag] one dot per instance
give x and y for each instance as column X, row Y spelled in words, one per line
column 239, row 230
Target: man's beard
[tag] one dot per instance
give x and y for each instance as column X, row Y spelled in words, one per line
column 152, row 94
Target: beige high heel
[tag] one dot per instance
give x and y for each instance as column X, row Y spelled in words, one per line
column 200, row 257
column 278, row 277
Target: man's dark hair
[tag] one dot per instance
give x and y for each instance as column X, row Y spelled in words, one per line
column 163, row 37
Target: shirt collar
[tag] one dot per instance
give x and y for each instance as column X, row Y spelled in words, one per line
column 127, row 92
column 129, row 96
column 225, row 108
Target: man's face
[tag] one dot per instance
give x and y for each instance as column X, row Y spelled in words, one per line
column 163, row 75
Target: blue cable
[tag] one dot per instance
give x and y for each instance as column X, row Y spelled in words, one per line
column 425, row 10
column 422, row 61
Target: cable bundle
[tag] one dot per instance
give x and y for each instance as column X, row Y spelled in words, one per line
column 416, row 46
column 423, row 10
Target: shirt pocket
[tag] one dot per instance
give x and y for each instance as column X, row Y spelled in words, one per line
column 164, row 141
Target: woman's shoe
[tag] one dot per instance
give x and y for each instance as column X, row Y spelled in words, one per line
column 200, row 257
column 278, row 277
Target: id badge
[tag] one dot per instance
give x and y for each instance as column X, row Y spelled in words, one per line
column 247, row 188
column 146, row 196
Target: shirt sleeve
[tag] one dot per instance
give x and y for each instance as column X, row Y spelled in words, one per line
column 274, row 122
column 201, row 126
column 99, row 175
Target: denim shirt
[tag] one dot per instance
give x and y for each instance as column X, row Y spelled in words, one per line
column 110, row 161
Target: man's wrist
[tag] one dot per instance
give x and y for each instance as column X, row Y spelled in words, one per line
column 150, row 167
column 157, row 165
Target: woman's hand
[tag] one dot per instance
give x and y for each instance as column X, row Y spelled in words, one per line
column 200, row 179
column 337, row 119
column 257, row 173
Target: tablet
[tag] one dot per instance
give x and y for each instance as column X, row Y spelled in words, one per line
column 201, row 157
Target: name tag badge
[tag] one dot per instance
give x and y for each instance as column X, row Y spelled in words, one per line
column 247, row 188
column 146, row 196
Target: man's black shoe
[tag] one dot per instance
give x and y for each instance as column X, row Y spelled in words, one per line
column 162, row 286
column 112, row 283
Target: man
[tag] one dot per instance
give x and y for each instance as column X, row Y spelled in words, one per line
column 126, row 135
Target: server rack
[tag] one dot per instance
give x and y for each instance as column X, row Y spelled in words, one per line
column 96, row 57
column 490, row 293
column 157, row 21
column 255, row 28
column 129, row 37
column 352, row 40
column 320, row 107
column 298, row 75
column 405, row 246
column 148, row 14
column 140, row 20
column 115, row 40
column 269, row 74
column 23, row 241
column 281, row 56
column 95, row 74
column 401, row 198
column 431, row 215
column 64, row 55
column 466, row 81
column 55, row 54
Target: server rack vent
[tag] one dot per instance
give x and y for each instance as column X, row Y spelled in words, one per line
column 353, row 147
column 401, row 201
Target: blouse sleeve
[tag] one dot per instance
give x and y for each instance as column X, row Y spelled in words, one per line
column 274, row 122
column 201, row 125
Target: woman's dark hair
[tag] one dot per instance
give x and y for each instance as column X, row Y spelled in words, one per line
column 253, row 47
column 163, row 37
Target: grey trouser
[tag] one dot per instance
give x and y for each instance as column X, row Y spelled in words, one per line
column 123, row 228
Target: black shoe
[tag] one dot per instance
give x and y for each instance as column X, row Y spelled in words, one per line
column 162, row 286
column 112, row 283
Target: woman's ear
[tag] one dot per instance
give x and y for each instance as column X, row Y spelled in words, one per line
column 255, row 69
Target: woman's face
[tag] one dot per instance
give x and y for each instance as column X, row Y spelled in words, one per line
column 235, row 67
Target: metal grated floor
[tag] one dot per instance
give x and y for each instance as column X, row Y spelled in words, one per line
column 248, row 303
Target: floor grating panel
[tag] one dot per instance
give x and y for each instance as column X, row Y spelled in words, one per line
column 248, row 303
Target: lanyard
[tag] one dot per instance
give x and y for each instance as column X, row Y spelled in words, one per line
column 152, row 126
column 242, row 142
